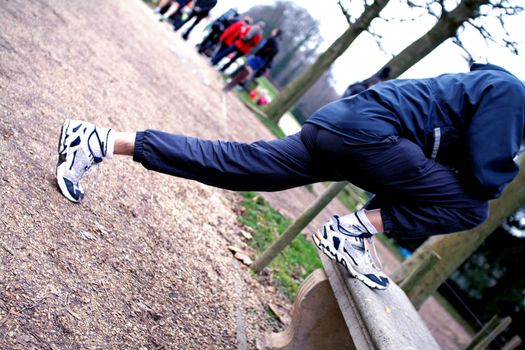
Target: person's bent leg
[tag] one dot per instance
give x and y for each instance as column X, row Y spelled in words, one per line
column 418, row 197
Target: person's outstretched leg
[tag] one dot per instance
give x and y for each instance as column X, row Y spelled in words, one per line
column 259, row 166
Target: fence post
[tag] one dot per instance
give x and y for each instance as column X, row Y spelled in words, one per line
column 489, row 331
column 295, row 228
column 512, row 343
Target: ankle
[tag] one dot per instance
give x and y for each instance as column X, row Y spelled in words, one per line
column 361, row 218
column 124, row 143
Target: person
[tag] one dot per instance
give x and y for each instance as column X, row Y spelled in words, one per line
column 231, row 34
column 253, row 64
column 433, row 151
column 268, row 49
column 259, row 62
column 217, row 28
column 163, row 7
column 200, row 10
column 249, row 37
column 361, row 86
column 171, row 11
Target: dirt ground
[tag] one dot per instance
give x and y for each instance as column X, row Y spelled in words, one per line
column 143, row 262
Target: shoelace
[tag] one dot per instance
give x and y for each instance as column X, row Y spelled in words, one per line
column 374, row 258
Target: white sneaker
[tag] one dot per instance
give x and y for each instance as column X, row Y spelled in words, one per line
column 350, row 246
column 81, row 145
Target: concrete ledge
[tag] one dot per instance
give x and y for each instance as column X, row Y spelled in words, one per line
column 377, row 319
column 334, row 311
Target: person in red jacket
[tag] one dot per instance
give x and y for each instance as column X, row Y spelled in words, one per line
column 232, row 33
column 248, row 38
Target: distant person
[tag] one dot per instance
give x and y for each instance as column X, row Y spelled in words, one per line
column 260, row 61
column 232, row 33
column 434, row 151
column 267, row 51
column 171, row 10
column 163, row 6
column 217, row 28
column 249, row 37
column 253, row 64
column 361, row 86
column 200, row 10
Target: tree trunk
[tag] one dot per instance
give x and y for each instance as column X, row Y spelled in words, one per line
column 455, row 248
column 287, row 58
column 293, row 91
column 445, row 28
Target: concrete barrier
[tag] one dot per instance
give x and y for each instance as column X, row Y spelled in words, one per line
column 334, row 311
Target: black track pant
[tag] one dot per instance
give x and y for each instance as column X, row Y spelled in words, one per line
column 417, row 196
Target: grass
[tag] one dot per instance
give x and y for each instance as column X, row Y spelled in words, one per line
column 296, row 261
column 272, row 126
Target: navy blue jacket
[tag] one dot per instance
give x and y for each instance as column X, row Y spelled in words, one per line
column 473, row 122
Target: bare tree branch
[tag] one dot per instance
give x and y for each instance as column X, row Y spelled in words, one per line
column 345, row 12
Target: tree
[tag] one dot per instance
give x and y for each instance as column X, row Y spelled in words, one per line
column 309, row 76
column 467, row 12
column 447, row 26
column 300, row 32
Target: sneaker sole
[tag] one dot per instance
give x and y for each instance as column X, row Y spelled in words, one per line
column 59, row 170
column 330, row 251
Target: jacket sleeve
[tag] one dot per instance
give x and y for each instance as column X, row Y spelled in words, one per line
column 493, row 139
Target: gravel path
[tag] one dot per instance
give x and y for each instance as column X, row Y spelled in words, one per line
column 143, row 262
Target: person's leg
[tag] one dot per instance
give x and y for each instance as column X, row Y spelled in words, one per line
column 238, row 54
column 242, row 74
column 199, row 16
column 163, row 6
column 206, row 42
column 124, row 143
column 418, row 196
column 172, row 12
column 178, row 25
column 222, row 53
column 259, row 166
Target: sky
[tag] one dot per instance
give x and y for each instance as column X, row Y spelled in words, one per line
column 364, row 57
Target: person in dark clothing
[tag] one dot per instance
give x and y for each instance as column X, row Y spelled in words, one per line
column 217, row 27
column 267, row 52
column 361, row 86
column 269, row 49
column 433, row 151
column 171, row 11
column 200, row 10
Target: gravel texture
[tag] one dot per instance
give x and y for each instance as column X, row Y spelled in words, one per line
column 143, row 262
